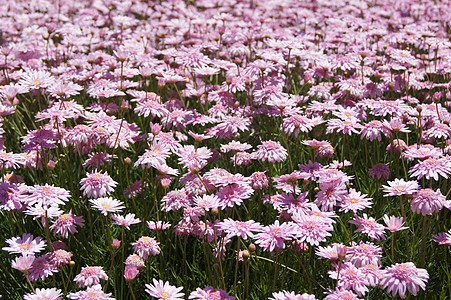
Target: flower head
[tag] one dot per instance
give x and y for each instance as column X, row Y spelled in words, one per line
column 399, row 278
column 164, row 291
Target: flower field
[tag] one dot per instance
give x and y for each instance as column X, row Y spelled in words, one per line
column 233, row 149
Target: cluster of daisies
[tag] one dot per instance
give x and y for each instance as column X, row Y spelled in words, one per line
column 259, row 129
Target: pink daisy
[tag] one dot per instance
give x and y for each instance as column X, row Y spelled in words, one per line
column 25, row 245
column 270, row 151
column 210, row 293
column 44, row 294
column 355, row 201
column 443, row 238
column 107, row 205
column 23, row 263
column 275, row 236
column 427, row 202
column 93, row 292
column 369, row 226
column 66, row 223
column 97, row 184
column 125, row 221
column 394, row 224
column 399, row 278
column 284, row 295
column 431, row 168
column 239, row 228
column 48, row 195
column 341, row 294
column 350, row 277
column 163, row 290
column 400, row 187
column 89, row 276
column 312, row 228
column 364, row 254
column 145, row 246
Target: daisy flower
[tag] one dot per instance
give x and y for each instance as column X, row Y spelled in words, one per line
column 284, row 295
column 443, row 238
column 379, row 171
column 394, row 224
column 399, row 278
column 126, row 221
column 427, row 202
column 210, row 293
column 311, row 228
column 145, row 246
column 93, row 292
column 239, row 228
column 23, row 263
column 107, row 205
column 275, row 235
column 350, row 277
column 164, row 291
column 270, row 151
column 431, row 168
column 364, row 254
column 369, row 226
column 47, row 195
column 66, row 223
column 355, row 201
column 97, row 184
column 25, row 245
column 44, row 294
column 400, row 187
column 341, row 294
column 89, row 276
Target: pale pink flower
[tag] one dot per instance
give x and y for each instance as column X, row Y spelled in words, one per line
column 97, row 184
column 25, row 245
column 394, row 224
column 145, row 246
column 163, row 290
column 399, row 278
column 89, row 276
column 107, row 205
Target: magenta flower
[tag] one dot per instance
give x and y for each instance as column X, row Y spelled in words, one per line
column 399, row 278
column 163, row 290
column 379, row 171
column 210, row 293
column 89, row 276
column 312, row 228
column 97, row 184
column 443, row 238
column 350, row 277
column 364, row 254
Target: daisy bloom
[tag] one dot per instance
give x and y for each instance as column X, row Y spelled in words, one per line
column 159, row 225
column 355, row 201
column 126, row 221
column 66, row 223
column 106, row 205
column 93, row 292
column 341, row 294
column 164, row 291
column 26, row 245
column 399, row 278
column 89, row 276
column 210, row 293
column 23, row 263
column 431, row 168
column 275, row 235
column 394, row 224
column 350, row 277
column 44, row 294
column 97, row 184
column 369, row 226
column 284, row 295
column 364, row 254
column 400, row 187
column 443, row 238
column 270, row 151
column 145, row 246
column 427, row 202
column 239, row 228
